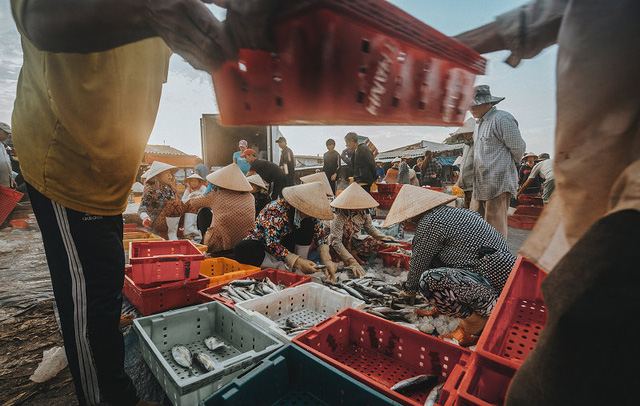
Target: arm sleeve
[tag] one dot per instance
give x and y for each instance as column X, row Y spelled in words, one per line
column 511, row 137
column 336, row 232
column 370, row 229
column 318, row 233
column 535, row 171
column 272, row 234
column 427, row 243
column 529, row 29
column 145, row 201
column 202, row 201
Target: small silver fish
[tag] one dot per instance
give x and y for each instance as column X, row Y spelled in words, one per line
column 291, row 324
column 204, row 361
column 415, row 383
column 214, row 344
column 434, row 395
column 182, row 356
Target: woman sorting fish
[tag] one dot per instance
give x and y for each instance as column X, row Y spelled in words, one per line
column 352, row 216
column 232, row 206
column 285, row 228
column 460, row 263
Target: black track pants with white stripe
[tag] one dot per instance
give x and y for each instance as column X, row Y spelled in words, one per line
column 86, row 262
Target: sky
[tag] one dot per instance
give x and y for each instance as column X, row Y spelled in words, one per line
column 529, row 89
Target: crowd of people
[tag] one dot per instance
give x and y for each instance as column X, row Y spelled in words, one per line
column 87, row 99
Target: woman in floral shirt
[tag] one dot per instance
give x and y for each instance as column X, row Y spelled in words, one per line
column 285, row 228
column 160, row 208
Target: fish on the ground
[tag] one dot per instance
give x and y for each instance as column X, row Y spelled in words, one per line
column 415, row 383
column 214, row 344
column 182, row 356
column 434, row 395
column 203, row 361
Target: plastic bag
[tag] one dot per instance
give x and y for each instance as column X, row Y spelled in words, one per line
column 53, row 361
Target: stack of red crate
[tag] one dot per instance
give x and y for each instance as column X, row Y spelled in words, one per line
column 509, row 336
column 163, row 275
column 386, row 194
column 527, row 212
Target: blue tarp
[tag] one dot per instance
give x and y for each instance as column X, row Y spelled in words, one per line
column 446, row 161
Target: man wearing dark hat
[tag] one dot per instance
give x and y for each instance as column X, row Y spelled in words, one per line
column 287, row 160
column 498, row 148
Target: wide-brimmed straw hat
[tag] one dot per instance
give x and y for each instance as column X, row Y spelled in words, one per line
column 468, row 127
column 195, row 176
column 157, row 168
column 529, row 154
column 230, row 177
column 354, row 198
column 310, row 199
column 483, row 96
column 319, row 177
column 256, row 179
column 414, row 200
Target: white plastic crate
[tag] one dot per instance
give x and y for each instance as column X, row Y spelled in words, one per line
column 306, row 305
column 246, row 343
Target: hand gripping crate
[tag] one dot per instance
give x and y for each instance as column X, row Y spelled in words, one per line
column 8, row 200
column 246, row 346
column 518, row 318
column 221, row 270
column 154, row 299
column 286, row 278
column 164, row 261
column 349, row 62
column 305, row 305
column 292, row 376
column 381, row 353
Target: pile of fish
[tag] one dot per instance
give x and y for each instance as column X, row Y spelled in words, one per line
column 382, row 298
column 420, row 383
column 240, row 290
column 183, row 357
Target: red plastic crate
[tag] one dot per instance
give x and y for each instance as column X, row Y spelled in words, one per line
column 521, row 222
column 437, row 189
column 289, row 279
column 380, row 353
column 162, row 297
column 349, row 62
column 520, row 314
column 164, row 261
column 530, row 211
column 530, row 200
column 392, row 188
column 485, row 382
column 449, row 392
column 8, row 200
column 390, row 257
column 385, row 200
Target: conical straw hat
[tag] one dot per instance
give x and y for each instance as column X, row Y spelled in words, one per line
column 230, row 177
column 319, row 177
column 195, row 176
column 354, row 198
column 310, row 199
column 468, row 127
column 157, row 168
column 257, row 180
column 414, row 200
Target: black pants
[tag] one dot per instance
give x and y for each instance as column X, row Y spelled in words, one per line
column 587, row 352
column 86, row 263
column 252, row 252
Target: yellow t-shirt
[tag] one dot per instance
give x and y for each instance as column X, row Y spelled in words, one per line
column 81, row 121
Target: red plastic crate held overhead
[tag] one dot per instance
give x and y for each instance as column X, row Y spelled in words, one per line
column 349, row 62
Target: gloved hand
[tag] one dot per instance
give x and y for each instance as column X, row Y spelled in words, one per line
column 146, row 223
column 325, row 258
column 351, row 262
column 305, row 265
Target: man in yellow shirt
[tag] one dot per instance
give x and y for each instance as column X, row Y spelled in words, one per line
column 87, row 99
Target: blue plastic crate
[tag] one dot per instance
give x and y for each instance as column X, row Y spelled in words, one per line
column 246, row 343
column 292, row 376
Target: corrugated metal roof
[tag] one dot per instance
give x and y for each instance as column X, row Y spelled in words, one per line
column 418, row 149
column 163, row 150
